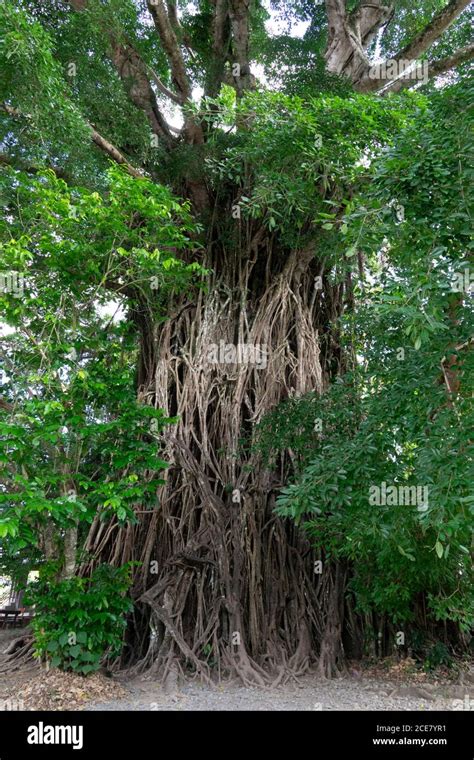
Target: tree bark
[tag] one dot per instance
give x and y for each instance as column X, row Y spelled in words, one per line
column 236, row 585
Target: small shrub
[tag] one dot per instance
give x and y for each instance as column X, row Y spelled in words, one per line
column 79, row 621
column 437, row 656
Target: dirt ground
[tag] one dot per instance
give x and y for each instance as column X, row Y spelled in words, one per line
column 386, row 686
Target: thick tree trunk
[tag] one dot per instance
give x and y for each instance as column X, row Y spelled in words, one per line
column 235, row 587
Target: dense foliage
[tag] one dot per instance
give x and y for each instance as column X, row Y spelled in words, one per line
column 79, row 621
column 179, row 175
column 404, row 413
column 76, row 443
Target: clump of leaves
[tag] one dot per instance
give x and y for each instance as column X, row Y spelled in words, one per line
column 80, row 621
column 396, row 416
column 74, row 440
column 437, row 656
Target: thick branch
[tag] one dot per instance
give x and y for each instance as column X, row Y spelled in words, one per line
column 463, row 55
column 114, row 153
column 133, row 73
column 239, row 22
column 171, row 47
column 436, row 68
column 350, row 34
column 172, row 13
column 368, row 18
column 433, row 30
column 192, row 130
column 220, row 47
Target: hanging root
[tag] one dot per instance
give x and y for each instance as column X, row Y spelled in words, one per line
column 235, row 593
column 331, row 662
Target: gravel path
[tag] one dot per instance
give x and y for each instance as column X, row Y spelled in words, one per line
column 354, row 692
column 313, row 694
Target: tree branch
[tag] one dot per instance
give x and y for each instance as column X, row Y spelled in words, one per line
column 350, row 34
column 368, row 18
column 239, row 23
column 173, row 13
column 163, row 89
column 133, row 73
column 463, row 55
column 114, row 153
column 192, row 130
column 100, row 141
column 220, row 47
column 432, row 31
column 132, row 70
column 171, row 47
column 436, row 68
column 11, row 111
